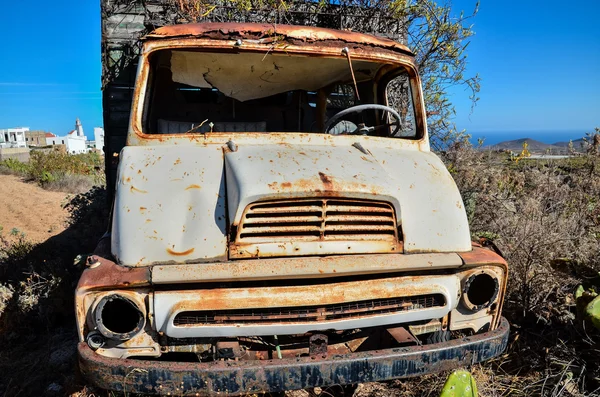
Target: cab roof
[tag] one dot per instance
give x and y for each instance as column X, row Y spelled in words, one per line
column 273, row 32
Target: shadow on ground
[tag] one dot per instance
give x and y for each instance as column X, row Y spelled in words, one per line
column 37, row 282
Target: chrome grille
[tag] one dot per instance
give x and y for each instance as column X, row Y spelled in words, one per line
column 367, row 308
column 318, row 220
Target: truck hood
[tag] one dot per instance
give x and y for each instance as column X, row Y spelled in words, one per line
column 173, row 204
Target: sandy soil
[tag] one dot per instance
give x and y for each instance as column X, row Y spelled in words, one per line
column 32, row 210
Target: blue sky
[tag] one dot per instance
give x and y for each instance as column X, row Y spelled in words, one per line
column 539, row 62
column 50, row 65
column 540, row 67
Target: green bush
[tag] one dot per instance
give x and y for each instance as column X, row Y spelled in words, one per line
column 59, row 171
column 14, row 166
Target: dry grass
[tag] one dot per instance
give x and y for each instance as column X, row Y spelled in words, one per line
column 544, row 216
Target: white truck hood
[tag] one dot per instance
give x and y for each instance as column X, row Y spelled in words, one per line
column 173, row 203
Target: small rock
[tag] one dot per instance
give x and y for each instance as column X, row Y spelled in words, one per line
column 62, row 356
column 54, row 388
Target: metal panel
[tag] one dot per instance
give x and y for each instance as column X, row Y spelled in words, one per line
column 170, row 205
column 247, row 377
column 433, row 214
column 301, row 267
column 316, row 227
column 167, row 304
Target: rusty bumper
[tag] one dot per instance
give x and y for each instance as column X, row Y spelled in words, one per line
column 242, row 377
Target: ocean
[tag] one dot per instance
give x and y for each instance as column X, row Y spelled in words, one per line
column 549, row 137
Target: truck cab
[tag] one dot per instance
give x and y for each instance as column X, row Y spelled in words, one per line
column 281, row 223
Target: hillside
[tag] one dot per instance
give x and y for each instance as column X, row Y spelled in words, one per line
column 538, row 146
column 517, row 145
column 578, row 144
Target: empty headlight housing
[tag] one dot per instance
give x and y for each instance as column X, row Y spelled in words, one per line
column 119, row 318
column 480, row 290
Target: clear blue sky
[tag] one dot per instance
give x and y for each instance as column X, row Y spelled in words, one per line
column 539, row 62
column 540, row 67
column 50, row 65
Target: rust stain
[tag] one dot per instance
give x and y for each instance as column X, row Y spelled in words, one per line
column 327, row 182
column 180, row 253
column 142, row 209
column 135, row 189
column 192, row 186
column 482, row 256
column 268, row 33
column 111, row 275
column 286, row 185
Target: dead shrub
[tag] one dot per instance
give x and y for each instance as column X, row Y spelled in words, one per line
column 545, row 217
column 70, row 183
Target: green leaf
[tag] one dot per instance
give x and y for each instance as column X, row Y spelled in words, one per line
column 592, row 311
column 460, row 384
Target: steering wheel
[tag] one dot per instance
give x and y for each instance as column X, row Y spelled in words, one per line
column 363, row 129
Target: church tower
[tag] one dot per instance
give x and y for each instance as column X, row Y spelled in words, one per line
column 78, row 127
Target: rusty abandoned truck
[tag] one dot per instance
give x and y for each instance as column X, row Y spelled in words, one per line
column 280, row 222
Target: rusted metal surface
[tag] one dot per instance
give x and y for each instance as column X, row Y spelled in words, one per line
column 402, row 335
column 274, row 315
column 109, row 275
column 301, row 267
column 242, row 377
column 482, row 256
column 272, row 34
column 339, row 297
column 420, row 329
column 146, row 227
column 229, row 350
column 329, row 225
column 317, row 346
column 174, row 221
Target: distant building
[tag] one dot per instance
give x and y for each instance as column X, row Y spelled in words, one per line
column 99, row 138
column 74, row 141
column 36, row 138
column 13, row 137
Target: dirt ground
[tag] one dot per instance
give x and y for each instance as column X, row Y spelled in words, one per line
column 32, row 210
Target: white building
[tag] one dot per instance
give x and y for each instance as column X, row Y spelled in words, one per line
column 99, row 138
column 13, row 137
column 74, row 140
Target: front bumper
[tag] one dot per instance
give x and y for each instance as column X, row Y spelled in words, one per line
column 242, row 377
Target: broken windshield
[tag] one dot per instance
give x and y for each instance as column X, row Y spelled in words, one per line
column 202, row 92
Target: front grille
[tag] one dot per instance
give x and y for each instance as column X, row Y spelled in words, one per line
column 318, row 220
column 367, row 308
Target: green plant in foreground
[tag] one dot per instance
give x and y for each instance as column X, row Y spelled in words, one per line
column 593, row 312
column 588, row 304
column 459, row 384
